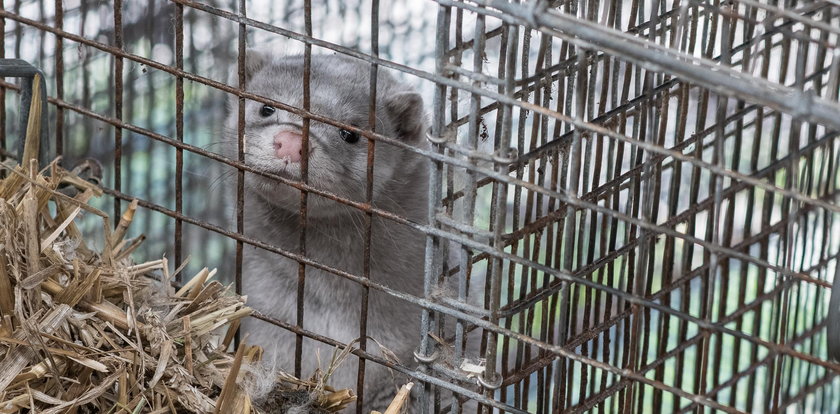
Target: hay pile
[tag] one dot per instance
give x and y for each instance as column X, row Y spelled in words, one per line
column 88, row 330
column 83, row 329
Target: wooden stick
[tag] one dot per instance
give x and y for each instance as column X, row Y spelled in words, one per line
column 400, row 400
column 188, row 356
column 32, row 144
column 226, row 396
column 125, row 221
column 7, row 302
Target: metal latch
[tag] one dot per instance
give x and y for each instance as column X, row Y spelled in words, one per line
column 17, row 68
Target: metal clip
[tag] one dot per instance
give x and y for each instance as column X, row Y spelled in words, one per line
column 511, row 156
column 476, row 368
column 17, row 68
column 436, row 140
column 494, row 385
column 426, row 359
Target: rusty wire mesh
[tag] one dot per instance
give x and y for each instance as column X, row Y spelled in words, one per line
column 647, row 191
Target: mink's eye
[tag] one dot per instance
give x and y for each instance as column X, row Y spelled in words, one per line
column 349, row 137
column 267, row 111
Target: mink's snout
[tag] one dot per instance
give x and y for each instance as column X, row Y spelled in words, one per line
column 288, row 145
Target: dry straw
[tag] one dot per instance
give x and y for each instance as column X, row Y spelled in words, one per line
column 84, row 329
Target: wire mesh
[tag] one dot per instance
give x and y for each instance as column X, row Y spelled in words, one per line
column 633, row 204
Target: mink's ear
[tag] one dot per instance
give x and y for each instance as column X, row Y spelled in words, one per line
column 254, row 61
column 405, row 111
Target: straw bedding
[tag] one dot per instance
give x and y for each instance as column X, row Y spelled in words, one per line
column 85, row 329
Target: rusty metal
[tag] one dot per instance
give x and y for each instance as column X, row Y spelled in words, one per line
column 368, row 219
column 59, row 78
column 240, row 154
column 179, row 132
column 27, row 73
column 304, row 195
column 117, row 99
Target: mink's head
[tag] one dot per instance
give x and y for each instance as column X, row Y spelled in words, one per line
column 337, row 158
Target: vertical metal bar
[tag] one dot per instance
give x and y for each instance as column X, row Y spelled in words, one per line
column 468, row 206
column 533, row 209
column 468, row 211
column 23, row 112
column 493, row 274
column 18, row 30
column 42, row 18
column 615, row 152
column 555, row 235
column 713, row 222
column 747, row 63
column 145, row 185
column 765, row 211
column 118, row 104
column 500, row 208
column 131, row 115
column 432, row 250
column 304, row 195
column 687, row 251
column 790, row 207
column 179, row 131
column 588, row 220
column 87, row 124
column 652, row 186
column 547, row 308
column 368, row 222
column 532, row 244
column 727, row 229
column 543, row 203
column 577, row 88
column 777, row 313
column 641, row 199
column 240, row 149
column 191, row 23
column 607, row 231
column 493, row 278
column 564, row 366
column 677, row 30
column 59, row 78
column 450, row 172
column 587, row 234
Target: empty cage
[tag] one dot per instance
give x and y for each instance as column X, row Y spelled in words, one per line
column 632, row 205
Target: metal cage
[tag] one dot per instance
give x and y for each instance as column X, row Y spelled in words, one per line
column 646, row 191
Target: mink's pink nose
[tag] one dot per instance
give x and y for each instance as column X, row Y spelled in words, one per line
column 288, row 145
